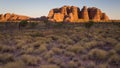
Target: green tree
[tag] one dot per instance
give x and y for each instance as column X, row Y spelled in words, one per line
column 23, row 23
column 89, row 24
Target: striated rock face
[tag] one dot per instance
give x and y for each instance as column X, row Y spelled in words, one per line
column 12, row 17
column 73, row 14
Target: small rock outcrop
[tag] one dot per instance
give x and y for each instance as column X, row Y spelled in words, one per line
column 12, row 17
column 73, row 14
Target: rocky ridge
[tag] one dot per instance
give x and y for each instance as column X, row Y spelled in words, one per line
column 12, row 17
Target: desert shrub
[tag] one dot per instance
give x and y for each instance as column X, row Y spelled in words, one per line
column 17, row 64
column 89, row 24
column 58, row 25
column 72, row 64
column 97, row 54
column 117, row 48
column 47, row 23
column 76, row 49
column 114, row 60
column 30, row 60
column 23, row 23
column 49, row 66
column 4, row 48
column 33, row 24
column 6, row 57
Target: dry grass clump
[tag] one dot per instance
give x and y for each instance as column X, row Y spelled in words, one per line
column 97, row 54
column 37, row 34
column 72, row 64
column 63, row 65
column 69, row 54
column 66, row 46
column 55, row 60
column 112, row 52
column 30, row 60
column 57, row 50
column 43, row 48
column 103, row 66
column 39, row 48
column 90, row 65
column 17, row 64
column 49, row 66
column 117, row 48
column 75, row 49
column 111, row 41
column 5, row 48
column 48, row 54
column 114, row 60
column 90, row 45
column 6, row 57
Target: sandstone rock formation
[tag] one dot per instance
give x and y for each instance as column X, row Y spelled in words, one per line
column 12, row 17
column 84, row 13
column 73, row 14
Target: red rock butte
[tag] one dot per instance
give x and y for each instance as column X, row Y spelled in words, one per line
column 74, row 14
column 12, row 17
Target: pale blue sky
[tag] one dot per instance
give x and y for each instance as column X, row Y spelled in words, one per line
column 37, row 8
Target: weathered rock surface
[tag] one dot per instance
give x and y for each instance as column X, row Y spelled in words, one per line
column 73, row 14
column 12, row 17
